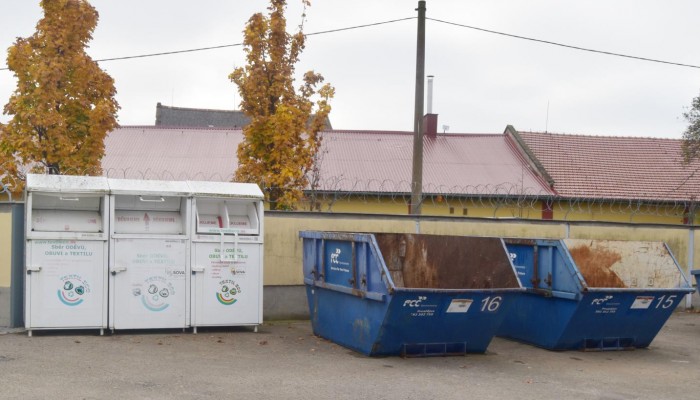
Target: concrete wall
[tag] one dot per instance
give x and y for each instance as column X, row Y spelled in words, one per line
column 283, row 246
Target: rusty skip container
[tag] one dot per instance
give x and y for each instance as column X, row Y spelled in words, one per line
column 407, row 294
column 592, row 294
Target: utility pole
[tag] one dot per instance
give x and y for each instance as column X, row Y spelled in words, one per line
column 417, row 176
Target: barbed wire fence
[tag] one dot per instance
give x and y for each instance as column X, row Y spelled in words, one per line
column 509, row 200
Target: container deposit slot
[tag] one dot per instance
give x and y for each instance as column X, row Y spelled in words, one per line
column 136, row 214
column 227, row 217
column 53, row 212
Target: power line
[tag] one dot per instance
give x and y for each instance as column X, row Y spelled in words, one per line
column 170, row 52
column 361, row 26
column 406, row 19
column 241, row 44
column 565, row 45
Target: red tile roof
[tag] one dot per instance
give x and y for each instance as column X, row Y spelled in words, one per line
column 615, row 167
column 352, row 161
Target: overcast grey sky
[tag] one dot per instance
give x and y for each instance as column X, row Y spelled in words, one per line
column 482, row 81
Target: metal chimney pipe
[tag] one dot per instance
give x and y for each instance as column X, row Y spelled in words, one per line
column 430, row 94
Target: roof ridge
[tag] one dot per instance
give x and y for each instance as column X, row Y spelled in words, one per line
column 174, row 127
column 159, row 105
column 370, row 131
column 439, row 135
column 599, row 136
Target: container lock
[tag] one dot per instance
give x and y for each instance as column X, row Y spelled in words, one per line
column 33, row 269
column 117, row 270
column 235, row 253
column 221, row 245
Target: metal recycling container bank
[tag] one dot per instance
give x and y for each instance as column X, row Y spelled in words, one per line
column 149, row 254
column 226, row 254
column 66, row 252
column 407, row 294
column 592, row 294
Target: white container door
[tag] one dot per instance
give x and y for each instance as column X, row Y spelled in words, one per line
column 226, row 291
column 67, row 286
column 149, row 283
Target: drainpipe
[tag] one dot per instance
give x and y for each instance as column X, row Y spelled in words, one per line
column 691, row 257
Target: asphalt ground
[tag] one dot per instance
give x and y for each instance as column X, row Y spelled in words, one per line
column 284, row 360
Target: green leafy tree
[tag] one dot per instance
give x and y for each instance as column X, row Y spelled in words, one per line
column 64, row 103
column 691, row 136
column 283, row 136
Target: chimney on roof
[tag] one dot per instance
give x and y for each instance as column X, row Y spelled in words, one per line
column 430, row 93
column 159, row 115
column 430, row 119
column 430, row 125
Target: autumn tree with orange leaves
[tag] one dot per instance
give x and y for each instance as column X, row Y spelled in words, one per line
column 64, row 103
column 283, row 136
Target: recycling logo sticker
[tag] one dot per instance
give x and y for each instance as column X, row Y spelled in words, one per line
column 228, row 290
column 157, row 294
column 73, row 290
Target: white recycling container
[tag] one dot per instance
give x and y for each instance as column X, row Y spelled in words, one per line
column 226, row 254
column 66, row 252
column 149, row 254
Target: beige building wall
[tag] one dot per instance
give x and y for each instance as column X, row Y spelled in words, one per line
column 505, row 208
column 606, row 212
column 434, row 206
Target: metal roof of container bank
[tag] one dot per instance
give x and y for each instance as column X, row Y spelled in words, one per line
column 350, row 161
column 66, row 183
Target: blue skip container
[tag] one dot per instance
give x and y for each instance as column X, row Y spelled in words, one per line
column 592, row 294
column 407, row 294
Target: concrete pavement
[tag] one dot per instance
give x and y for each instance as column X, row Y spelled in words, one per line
column 285, row 361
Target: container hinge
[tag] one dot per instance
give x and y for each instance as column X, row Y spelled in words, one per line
column 548, row 281
column 543, row 292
